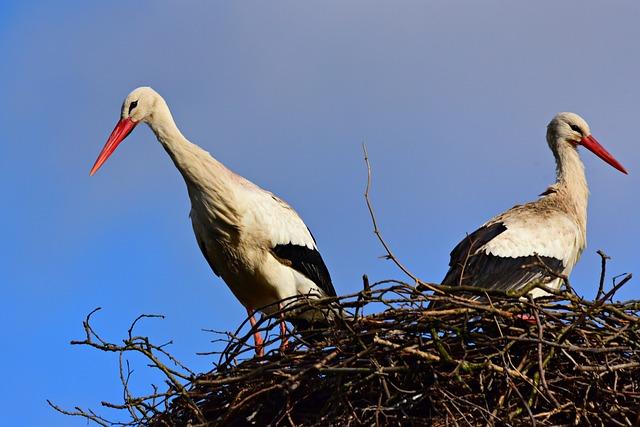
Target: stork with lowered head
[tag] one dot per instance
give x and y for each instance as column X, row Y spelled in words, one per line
column 251, row 238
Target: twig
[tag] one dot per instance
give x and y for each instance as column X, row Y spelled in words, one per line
column 603, row 269
column 471, row 363
column 376, row 229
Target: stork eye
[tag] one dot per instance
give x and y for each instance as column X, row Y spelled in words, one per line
column 576, row 129
column 133, row 105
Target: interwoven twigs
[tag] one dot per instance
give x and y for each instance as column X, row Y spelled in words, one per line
column 385, row 358
column 502, row 361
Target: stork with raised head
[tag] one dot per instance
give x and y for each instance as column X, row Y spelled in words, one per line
column 499, row 254
column 252, row 239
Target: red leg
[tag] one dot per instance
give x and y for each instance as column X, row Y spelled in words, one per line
column 257, row 338
column 284, row 345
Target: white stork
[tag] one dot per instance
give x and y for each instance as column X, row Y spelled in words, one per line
column 500, row 253
column 252, row 239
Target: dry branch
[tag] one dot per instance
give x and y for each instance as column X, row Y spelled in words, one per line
column 469, row 364
column 466, row 363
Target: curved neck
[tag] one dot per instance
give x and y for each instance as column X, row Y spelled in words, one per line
column 209, row 183
column 571, row 180
column 185, row 155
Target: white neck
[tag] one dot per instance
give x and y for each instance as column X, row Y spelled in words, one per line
column 571, row 181
column 185, row 155
column 209, row 182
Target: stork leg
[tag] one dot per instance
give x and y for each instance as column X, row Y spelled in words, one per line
column 257, row 338
column 284, row 345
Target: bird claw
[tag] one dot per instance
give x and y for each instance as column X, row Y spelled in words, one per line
column 527, row 318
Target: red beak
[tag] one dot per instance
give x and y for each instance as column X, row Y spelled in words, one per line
column 120, row 132
column 594, row 146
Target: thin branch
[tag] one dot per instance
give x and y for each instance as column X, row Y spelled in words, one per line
column 376, row 229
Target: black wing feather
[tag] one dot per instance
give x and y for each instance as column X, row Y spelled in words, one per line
column 472, row 242
column 494, row 272
column 308, row 262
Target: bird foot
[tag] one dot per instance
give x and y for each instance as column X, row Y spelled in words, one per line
column 527, row 318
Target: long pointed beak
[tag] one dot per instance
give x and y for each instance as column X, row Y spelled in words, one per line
column 120, row 132
column 594, row 146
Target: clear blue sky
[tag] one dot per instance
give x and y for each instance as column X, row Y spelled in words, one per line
column 451, row 99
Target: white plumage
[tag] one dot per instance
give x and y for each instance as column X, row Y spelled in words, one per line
column 252, row 239
column 500, row 253
column 553, row 235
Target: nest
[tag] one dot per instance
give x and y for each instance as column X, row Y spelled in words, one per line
column 476, row 357
column 392, row 360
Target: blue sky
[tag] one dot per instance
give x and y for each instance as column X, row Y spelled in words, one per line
column 452, row 100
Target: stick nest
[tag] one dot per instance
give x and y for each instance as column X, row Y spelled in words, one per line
column 392, row 360
column 476, row 357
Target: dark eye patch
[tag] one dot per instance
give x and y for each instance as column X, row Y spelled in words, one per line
column 576, row 129
column 133, row 105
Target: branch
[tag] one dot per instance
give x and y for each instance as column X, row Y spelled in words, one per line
column 378, row 234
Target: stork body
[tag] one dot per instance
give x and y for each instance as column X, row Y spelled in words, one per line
column 501, row 254
column 253, row 240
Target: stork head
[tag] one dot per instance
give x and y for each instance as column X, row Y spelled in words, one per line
column 138, row 106
column 571, row 130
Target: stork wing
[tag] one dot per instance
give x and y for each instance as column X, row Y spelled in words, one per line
column 308, row 262
column 503, row 253
column 289, row 238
